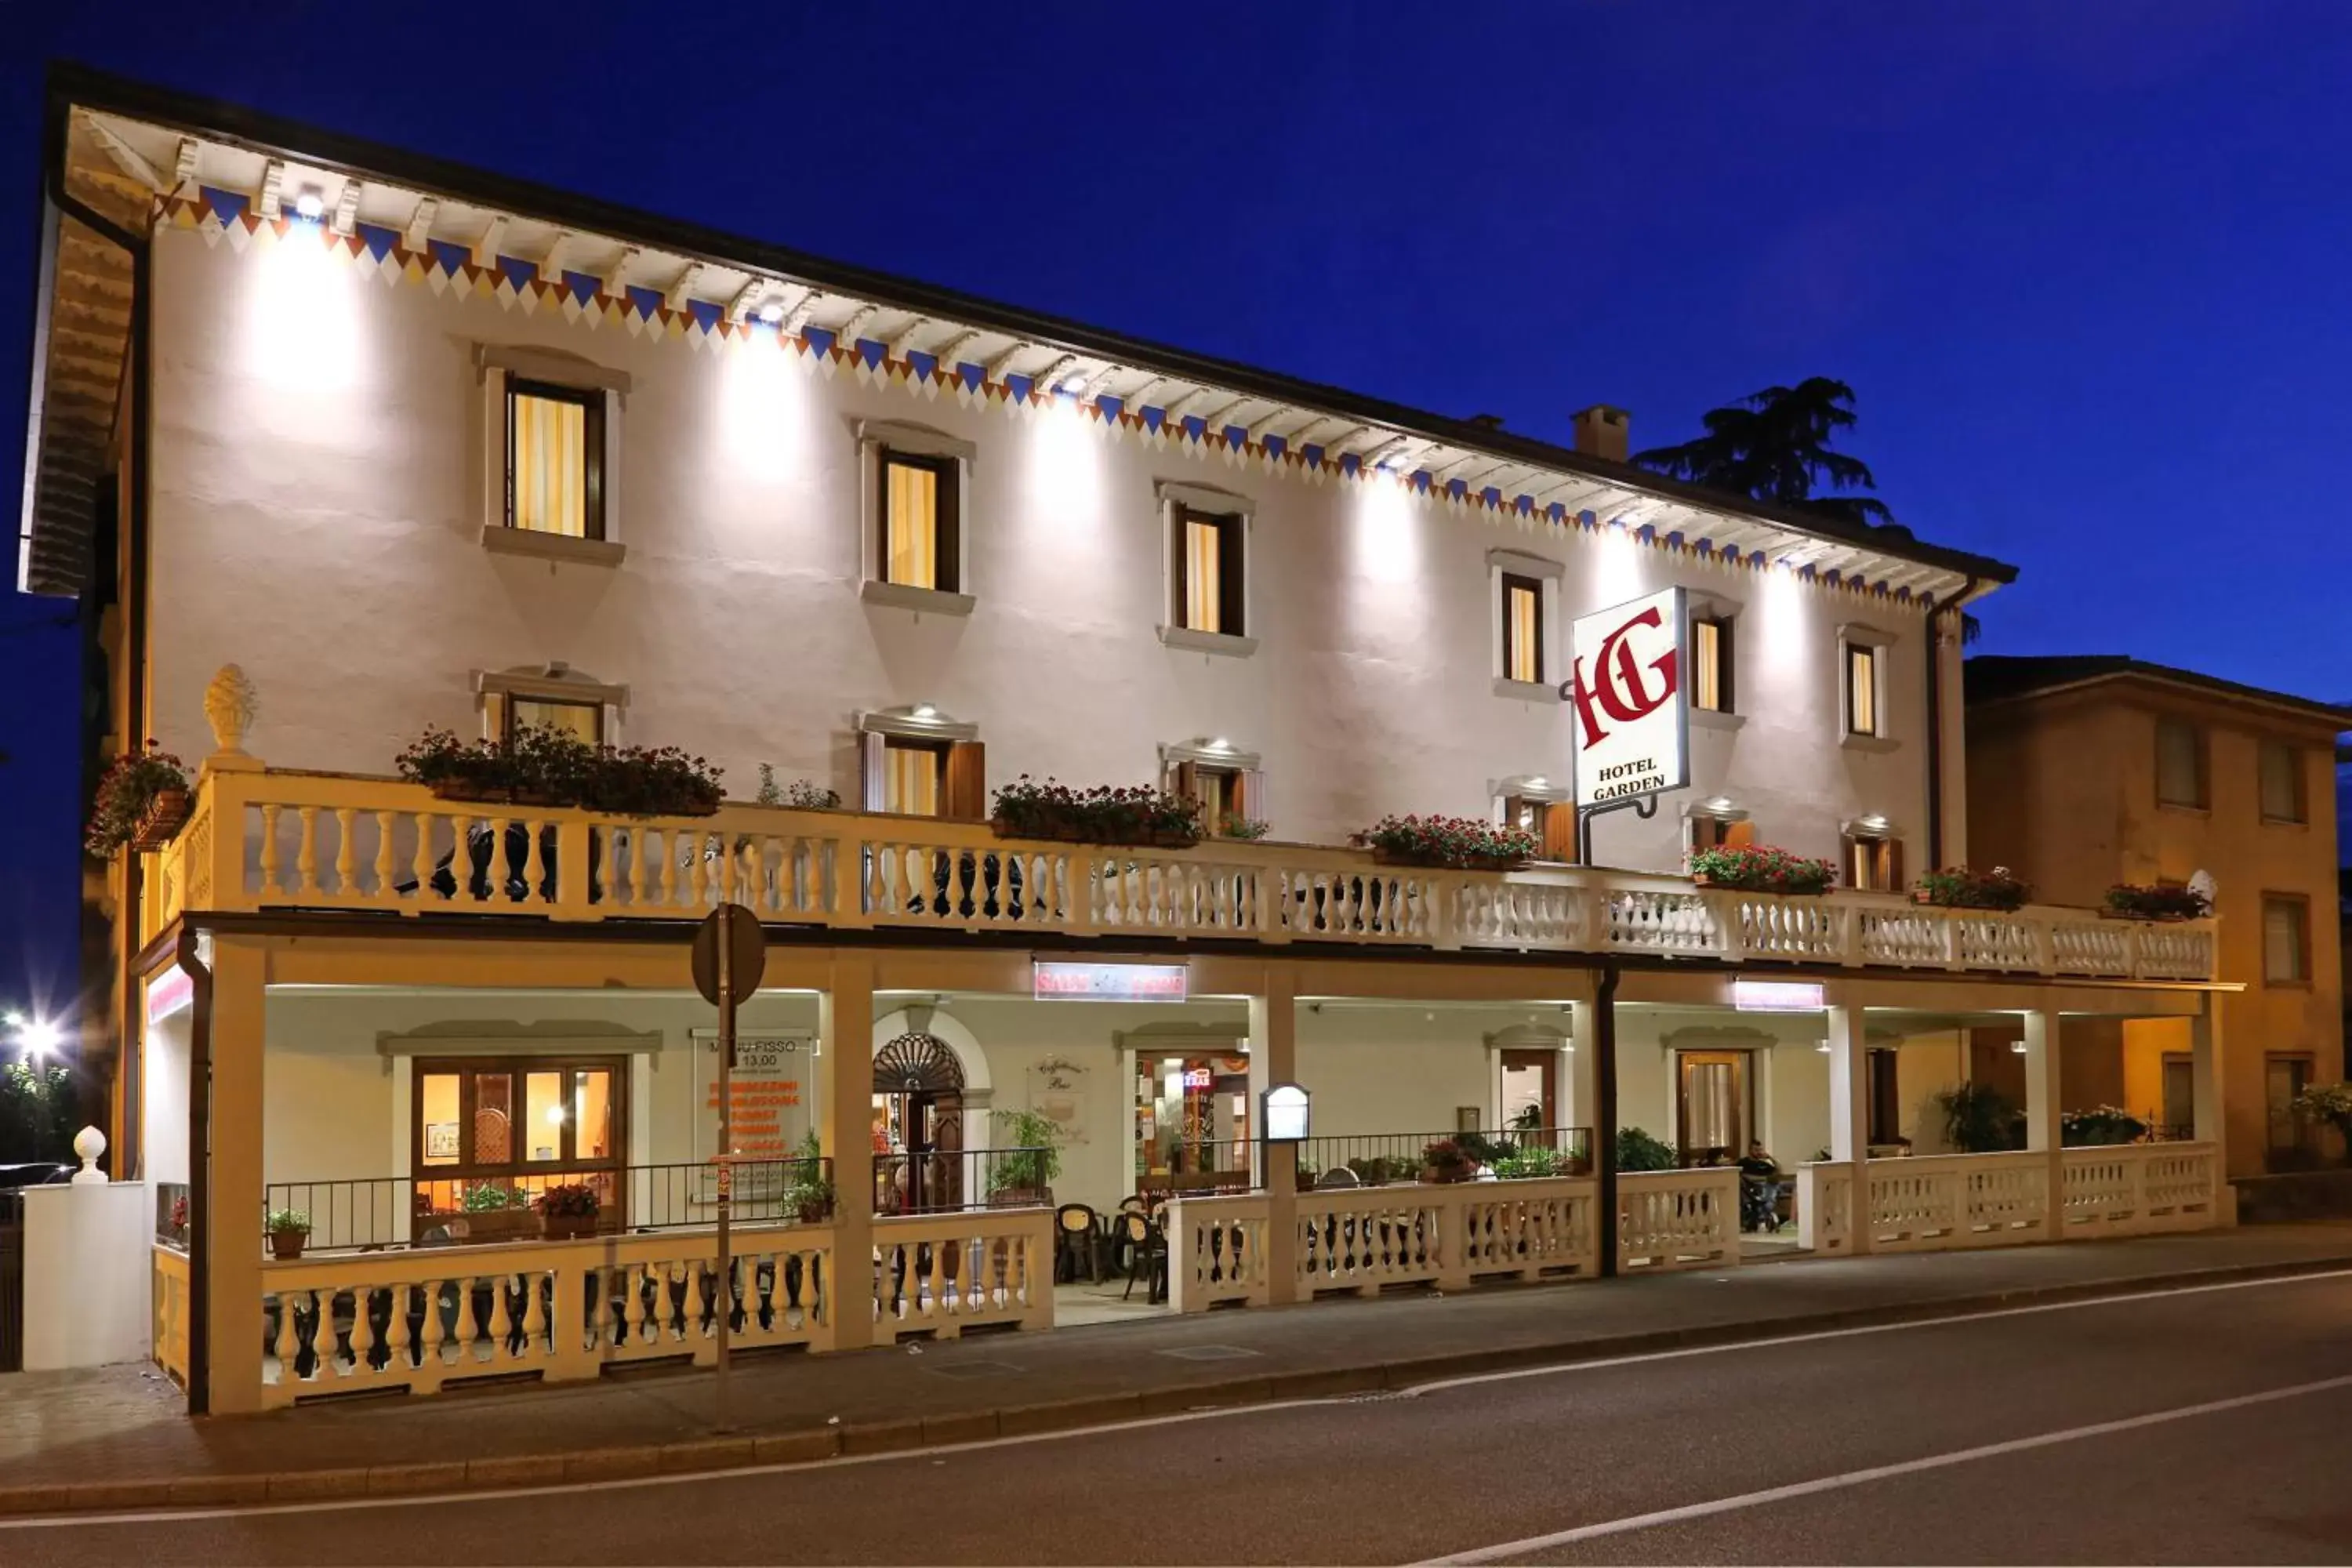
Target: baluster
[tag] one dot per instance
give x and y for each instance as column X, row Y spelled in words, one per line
column 534, row 873
column 396, row 1332
column 600, row 1312
column 633, row 1304
column 346, row 852
column 269, row 858
column 290, row 1338
column 668, row 866
column 461, row 859
column 494, row 880
column 429, row 1347
column 420, row 864
column 306, row 851
column 604, row 844
column 383, row 855
column 469, row 1318
column 502, row 1316
column 363, row 1330
column 536, row 1335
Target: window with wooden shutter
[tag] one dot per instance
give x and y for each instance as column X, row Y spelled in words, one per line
column 964, row 782
column 920, row 509
column 1874, row 862
column 2286, row 940
column 1559, row 832
column 1862, row 691
column 1523, row 629
column 1206, row 571
column 2281, row 782
column 1710, row 657
column 905, row 776
column 555, row 458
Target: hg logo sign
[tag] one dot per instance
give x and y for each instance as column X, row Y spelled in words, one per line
column 1625, row 668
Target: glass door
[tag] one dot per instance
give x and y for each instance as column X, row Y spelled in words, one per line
column 1712, row 1110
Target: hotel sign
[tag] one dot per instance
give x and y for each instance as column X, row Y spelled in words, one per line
column 1056, row 981
column 1627, row 667
column 1776, row 996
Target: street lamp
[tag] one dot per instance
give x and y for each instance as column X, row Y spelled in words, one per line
column 38, row 1036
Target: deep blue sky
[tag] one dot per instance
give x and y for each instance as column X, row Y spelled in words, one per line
column 2083, row 264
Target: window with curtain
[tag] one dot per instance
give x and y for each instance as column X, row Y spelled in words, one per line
column 919, row 510
column 516, row 1125
column 2287, row 940
column 1862, row 705
column 2180, row 764
column 585, row 720
column 1710, row 661
column 913, row 773
column 1208, row 571
column 2281, row 782
column 1523, row 628
column 555, row 458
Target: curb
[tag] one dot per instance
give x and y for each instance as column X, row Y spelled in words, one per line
column 707, row 1454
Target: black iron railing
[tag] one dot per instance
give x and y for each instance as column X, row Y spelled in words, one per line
column 946, row 1180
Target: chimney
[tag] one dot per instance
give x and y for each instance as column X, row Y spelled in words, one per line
column 1602, row 432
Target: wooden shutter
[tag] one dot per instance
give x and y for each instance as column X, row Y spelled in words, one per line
column 948, row 531
column 1559, row 832
column 1740, row 835
column 965, row 793
column 1890, row 864
column 1178, row 597
column 1184, row 781
column 873, row 772
column 1230, row 600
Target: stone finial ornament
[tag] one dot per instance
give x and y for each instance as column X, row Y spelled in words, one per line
column 229, row 707
column 90, row 1144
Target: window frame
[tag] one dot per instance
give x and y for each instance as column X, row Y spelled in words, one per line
column 1886, row 875
column 2300, row 906
column 507, row 700
column 2265, row 749
column 947, row 517
column 1727, row 662
column 1516, row 582
column 514, row 385
column 520, row 1067
column 1232, row 527
column 2202, row 741
column 1852, row 654
column 1545, row 575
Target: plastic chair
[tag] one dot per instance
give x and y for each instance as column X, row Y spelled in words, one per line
column 1077, row 1243
column 1147, row 1253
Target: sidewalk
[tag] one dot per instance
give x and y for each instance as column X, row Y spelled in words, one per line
column 118, row 1437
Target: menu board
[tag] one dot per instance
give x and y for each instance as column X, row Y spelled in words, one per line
column 768, row 1106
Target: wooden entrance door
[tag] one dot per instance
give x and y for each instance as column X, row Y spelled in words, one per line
column 1530, row 1083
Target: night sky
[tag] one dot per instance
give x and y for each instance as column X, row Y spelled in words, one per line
column 2083, row 264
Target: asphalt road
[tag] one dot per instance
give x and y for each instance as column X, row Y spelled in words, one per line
column 2198, row 1426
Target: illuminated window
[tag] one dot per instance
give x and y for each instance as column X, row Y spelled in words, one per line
column 585, row 720
column 2281, row 782
column 919, row 774
column 1523, row 628
column 2180, row 764
column 515, row 1125
column 555, row 458
column 1710, row 663
column 1863, row 715
column 2286, row 940
column 913, row 774
column 920, row 512
column 1207, row 572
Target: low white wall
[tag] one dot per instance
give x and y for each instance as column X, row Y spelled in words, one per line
column 88, row 1275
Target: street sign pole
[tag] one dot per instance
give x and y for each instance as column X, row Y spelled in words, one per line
column 726, row 1288
column 730, row 954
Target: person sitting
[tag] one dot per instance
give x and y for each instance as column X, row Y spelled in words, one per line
column 1759, row 1189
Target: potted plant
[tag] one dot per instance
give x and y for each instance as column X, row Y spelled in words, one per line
column 1457, row 842
column 809, row 1193
column 1981, row 1119
column 288, row 1230
column 1249, row 829
column 2137, row 901
column 142, row 800
column 568, row 1210
column 1957, row 887
column 1445, row 1160
column 497, row 1214
column 647, row 781
column 1762, row 869
column 1024, row 1171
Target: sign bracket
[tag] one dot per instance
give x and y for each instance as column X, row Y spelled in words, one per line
column 1645, row 806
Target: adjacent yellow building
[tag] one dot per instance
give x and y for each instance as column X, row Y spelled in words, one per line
column 2090, row 770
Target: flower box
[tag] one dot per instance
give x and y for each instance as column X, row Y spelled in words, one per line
column 1996, row 892
column 2134, row 901
column 1446, row 843
column 1131, row 815
column 165, row 814
column 1760, row 868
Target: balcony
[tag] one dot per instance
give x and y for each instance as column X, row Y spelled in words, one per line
column 268, row 839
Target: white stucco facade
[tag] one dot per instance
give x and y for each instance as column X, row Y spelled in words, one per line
column 319, row 467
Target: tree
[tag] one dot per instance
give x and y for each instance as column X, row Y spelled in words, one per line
column 1773, row 445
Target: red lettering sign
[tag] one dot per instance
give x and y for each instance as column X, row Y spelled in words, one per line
column 1620, row 688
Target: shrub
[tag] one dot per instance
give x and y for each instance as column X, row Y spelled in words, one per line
column 809, row 1192
column 1958, row 888
column 287, row 1222
column 129, row 785
column 2100, row 1125
column 1760, row 868
column 649, row 780
column 1034, row 1158
column 1538, row 1160
column 1980, row 1119
column 1104, row 813
column 1236, row 826
column 1447, row 841
column 1638, row 1151
column 569, row 1200
column 542, row 765
column 2135, row 901
column 488, row 1199
column 803, row 795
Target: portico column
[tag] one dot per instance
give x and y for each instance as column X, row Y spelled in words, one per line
column 1579, row 1074
column 1273, row 1058
column 233, row 1197
column 845, row 1032
column 1847, row 1037
column 2042, row 1135
column 2205, row 1087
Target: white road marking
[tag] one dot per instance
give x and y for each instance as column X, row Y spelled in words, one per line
column 1880, row 1472
column 1438, row 1385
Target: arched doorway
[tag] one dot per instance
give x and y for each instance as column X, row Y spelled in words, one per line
column 918, row 1086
